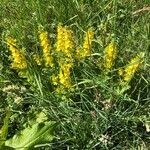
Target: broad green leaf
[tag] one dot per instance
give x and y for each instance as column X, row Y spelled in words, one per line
column 38, row 133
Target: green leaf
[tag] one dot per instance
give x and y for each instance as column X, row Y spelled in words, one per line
column 38, row 133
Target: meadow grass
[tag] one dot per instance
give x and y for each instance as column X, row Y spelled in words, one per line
column 99, row 110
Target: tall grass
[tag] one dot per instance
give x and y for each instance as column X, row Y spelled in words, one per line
column 101, row 110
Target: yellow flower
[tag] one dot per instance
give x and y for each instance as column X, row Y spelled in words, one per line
column 63, row 79
column 65, row 72
column 88, row 40
column 65, row 40
column 60, row 38
column 86, row 49
column 110, row 55
column 18, row 58
column 64, row 45
column 132, row 67
column 45, row 44
column 69, row 43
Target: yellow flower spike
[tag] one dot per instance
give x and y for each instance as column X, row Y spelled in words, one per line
column 18, row 58
column 45, row 44
column 65, row 45
column 11, row 41
column 69, row 43
column 65, row 41
column 64, row 78
column 64, row 74
column 60, row 38
column 110, row 55
column 86, row 49
column 88, row 40
column 132, row 67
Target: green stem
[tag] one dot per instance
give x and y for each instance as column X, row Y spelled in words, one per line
column 4, row 129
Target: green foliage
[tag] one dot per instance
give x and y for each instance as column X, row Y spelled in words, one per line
column 38, row 133
column 100, row 111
